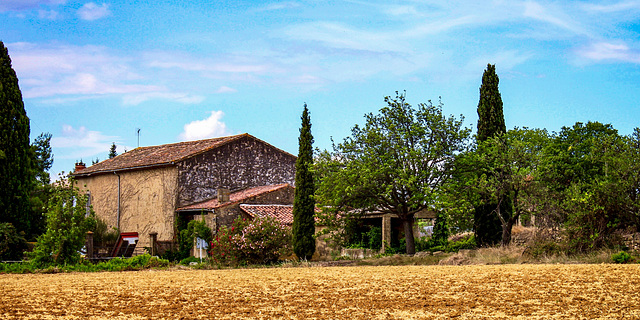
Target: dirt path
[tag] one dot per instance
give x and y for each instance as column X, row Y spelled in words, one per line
column 407, row 292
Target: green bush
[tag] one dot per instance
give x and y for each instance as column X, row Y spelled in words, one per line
column 257, row 241
column 546, row 248
column 464, row 243
column 67, row 227
column 141, row 262
column 621, row 257
column 12, row 243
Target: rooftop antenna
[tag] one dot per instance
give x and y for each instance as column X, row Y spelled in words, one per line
column 138, row 133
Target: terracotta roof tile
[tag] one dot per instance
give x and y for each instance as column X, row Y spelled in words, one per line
column 160, row 155
column 282, row 213
column 234, row 198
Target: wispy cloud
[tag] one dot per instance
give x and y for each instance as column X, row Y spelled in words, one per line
column 225, row 89
column 62, row 72
column 183, row 98
column 17, row 5
column 81, row 143
column 210, row 127
column 609, row 52
column 91, row 11
column 278, row 6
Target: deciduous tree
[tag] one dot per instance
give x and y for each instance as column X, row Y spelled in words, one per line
column 396, row 163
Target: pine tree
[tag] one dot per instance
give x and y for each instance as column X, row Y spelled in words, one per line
column 487, row 226
column 304, row 245
column 112, row 151
column 15, row 162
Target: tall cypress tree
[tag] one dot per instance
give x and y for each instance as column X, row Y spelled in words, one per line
column 15, row 161
column 487, row 226
column 304, row 245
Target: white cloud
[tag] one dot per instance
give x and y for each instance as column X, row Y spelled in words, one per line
column 183, row 98
column 48, row 14
column 17, row 5
column 605, row 51
column 80, row 143
column 210, row 127
column 64, row 72
column 91, row 11
column 278, row 6
column 225, row 89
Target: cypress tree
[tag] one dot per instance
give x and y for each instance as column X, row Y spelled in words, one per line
column 304, row 245
column 112, row 151
column 15, row 162
column 487, row 226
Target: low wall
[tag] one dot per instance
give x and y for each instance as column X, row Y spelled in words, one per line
column 632, row 241
column 359, row 253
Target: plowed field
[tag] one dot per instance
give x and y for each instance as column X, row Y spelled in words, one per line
column 408, row 292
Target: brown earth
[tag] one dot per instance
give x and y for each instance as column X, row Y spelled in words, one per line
column 405, row 292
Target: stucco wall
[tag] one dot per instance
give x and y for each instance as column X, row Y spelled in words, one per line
column 241, row 164
column 147, row 201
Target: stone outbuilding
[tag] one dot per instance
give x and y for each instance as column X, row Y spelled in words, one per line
column 143, row 190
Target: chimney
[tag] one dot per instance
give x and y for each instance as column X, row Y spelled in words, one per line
column 80, row 166
column 223, row 195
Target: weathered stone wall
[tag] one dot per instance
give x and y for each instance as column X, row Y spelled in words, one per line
column 147, row 201
column 241, row 164
column 632, row 241
column 226, row 215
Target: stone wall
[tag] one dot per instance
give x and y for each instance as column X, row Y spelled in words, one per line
column 246, row 162
column 226, row 215
column 632, row 241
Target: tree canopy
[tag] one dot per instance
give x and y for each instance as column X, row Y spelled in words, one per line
column 395, row 163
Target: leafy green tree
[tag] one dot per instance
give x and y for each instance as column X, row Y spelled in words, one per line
column 67, row 226
column 15, row 160
column 507, row 164
column 112, row 151
column 440, row 230
column 303, row 229
column 601, row 198
column 42, row 159
column 396, row 163
column 490, row 123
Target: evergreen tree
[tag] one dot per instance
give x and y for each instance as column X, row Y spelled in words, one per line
column 304, row 244
column 15, row 161
column 112, row 151
column 487, row 226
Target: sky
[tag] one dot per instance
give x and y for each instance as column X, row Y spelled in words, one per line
column 94, row 72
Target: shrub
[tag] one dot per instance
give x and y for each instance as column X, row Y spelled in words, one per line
column 257, row 241
column 542, row 248
column 67, row 227
column 12, row 243
column 621, row 257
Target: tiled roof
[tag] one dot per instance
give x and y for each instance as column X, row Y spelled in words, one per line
column 282, row 213
column 161, row 155
column 234, row 198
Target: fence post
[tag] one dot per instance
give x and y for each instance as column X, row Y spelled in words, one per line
column 89, row 245
column 154, row 240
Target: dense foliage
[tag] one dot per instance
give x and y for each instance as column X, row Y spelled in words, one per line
column 490, row 124
column 68, row 221
column 303, row 229
column 15, row 157
column 396, row 163
column 12, row 243
column 257, row 241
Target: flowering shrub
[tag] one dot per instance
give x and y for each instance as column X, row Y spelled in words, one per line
column 257, row 241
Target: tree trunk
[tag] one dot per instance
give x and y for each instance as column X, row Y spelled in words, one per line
column 506, row 231
column 408, row 235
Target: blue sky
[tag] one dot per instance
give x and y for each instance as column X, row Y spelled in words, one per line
column 92, row 72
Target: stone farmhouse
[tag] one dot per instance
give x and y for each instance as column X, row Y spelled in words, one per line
column 143, row 190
